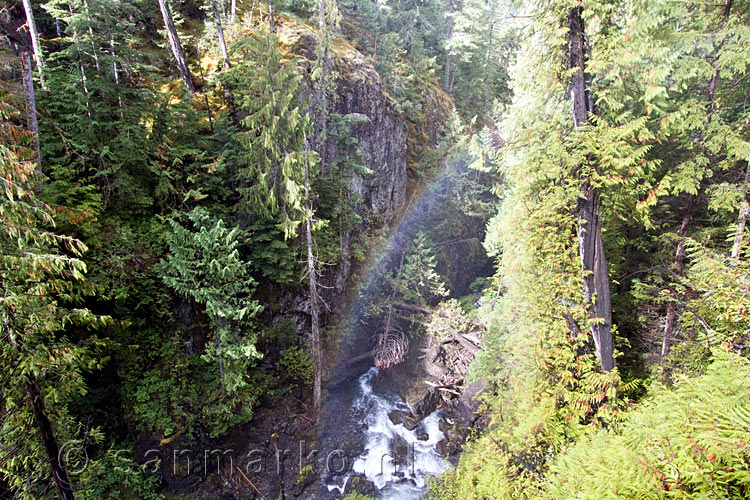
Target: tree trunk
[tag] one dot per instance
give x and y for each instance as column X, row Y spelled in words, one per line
column 741, row 220
column 203, row 84
column 176, row 46
column 271, row 24
column 317, row 355
column 679, row 265
column 233, row 15
column 94, row 51
column 28, row 91
column 220, row 30
column 44, row 426
column 590, row 243
column 252, row 13
column 80, row 67
column 38, row 55
column 679, row 259
column 448, row 34
column 115, row 73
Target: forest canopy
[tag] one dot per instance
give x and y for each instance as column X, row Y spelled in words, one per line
column 194, row 193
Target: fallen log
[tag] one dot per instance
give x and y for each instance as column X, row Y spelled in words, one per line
column 361, row 357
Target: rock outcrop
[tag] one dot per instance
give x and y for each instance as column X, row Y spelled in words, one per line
column 391, row 141
column 382, row 136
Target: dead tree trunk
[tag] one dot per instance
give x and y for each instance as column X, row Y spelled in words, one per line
column 220, row 30
column 115, row 73
column 28, row 92
column 217, row 346
column 94, row 51
column 46, row 432
column 448, row 34
column 679, row 264
column 38, row 55
column 591, row 248
column 44, row 426
column 271, row 24
column 742, row 219
column 312, row 277
column 175, row 45
column 393, row 345
column 203, row 85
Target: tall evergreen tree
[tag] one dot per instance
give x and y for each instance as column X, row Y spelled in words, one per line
column 41, row 368
column 204, row 264
column 268, row 151
column 176, row 46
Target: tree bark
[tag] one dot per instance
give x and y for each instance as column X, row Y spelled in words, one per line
column 679, row 265
column 271, row 24
column 448, row 34
column 115, row 73
column 217, row 341
column 741, row 220
column 94, row 51
column 220, row 30
column 175, row 45
column 590, row 244
column 233, row 15
column 679, row 259
column 28, row 91
column 44, row 426
column 203, row 84
column 317, row 355
column 38, row 55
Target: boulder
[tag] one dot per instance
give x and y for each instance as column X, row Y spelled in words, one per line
column 399, row 417
column 425, row 405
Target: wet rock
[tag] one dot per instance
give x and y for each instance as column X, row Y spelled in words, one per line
column 468, row 403
column 400, row 451
column 423, row 436
column 307, row 478
column 444, row 424
column 442, row 447
column 361, row 485
column 426, row 405
column 399, row 417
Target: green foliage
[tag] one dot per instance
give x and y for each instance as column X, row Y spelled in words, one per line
column 357, row 496
column 448, row 319
column 267, row 149
column 659, row 137
column 42, row 284
column 204, row 264
column 685, row 442
column 418, row 281
column 297, row 366
column 117, row 476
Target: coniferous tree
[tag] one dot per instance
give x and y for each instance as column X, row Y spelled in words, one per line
column 34, row 34
column 590, row 241
column 268, row 150
column 204, row 264
column 42, row 368
column 175, row 45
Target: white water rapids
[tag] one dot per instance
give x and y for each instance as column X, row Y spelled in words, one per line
column 395, row 479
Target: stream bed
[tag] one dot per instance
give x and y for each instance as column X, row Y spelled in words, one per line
column 397, row 461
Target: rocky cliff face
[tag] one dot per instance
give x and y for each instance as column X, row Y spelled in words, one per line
column 382, row 136
column 390, row 141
